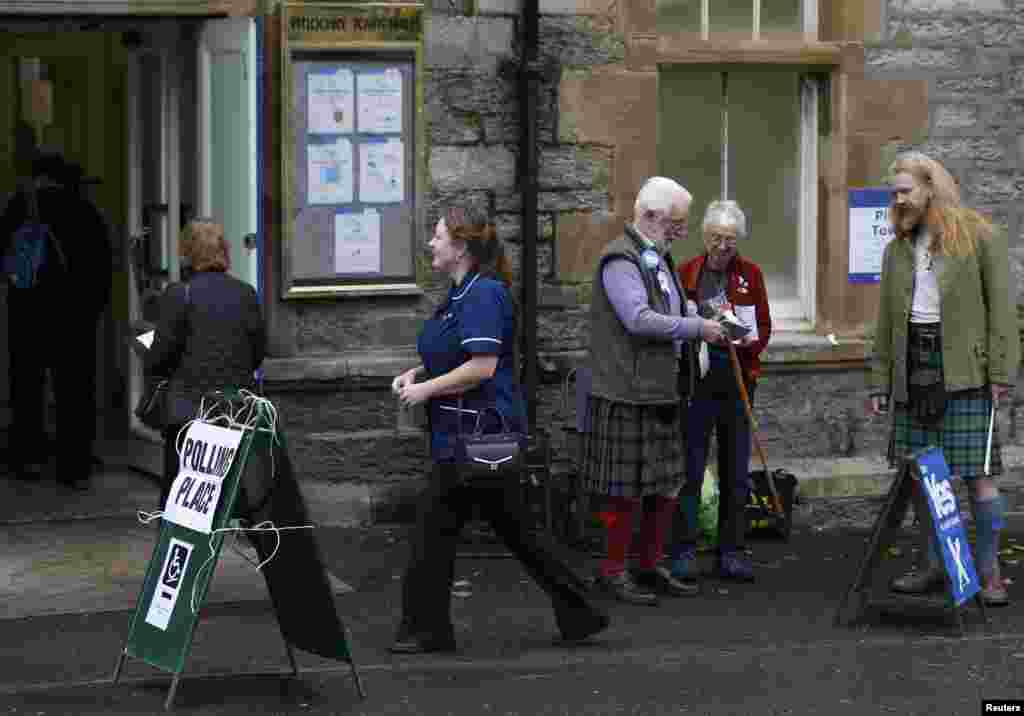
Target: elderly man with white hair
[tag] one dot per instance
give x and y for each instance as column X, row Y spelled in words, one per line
column 633, row 454
column 720, row 279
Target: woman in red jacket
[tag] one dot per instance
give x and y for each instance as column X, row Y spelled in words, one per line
column 717, row 280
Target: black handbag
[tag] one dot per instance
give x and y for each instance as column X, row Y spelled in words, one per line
column 762, row 520
column 489, row 459
column 152, row 407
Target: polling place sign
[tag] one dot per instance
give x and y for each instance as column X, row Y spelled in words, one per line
column 202, row 500
column 870, row 233
column 207, row 454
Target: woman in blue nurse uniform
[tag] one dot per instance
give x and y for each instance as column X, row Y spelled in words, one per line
column 466, row 350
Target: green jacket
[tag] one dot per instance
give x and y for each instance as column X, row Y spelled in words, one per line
column 980, row 342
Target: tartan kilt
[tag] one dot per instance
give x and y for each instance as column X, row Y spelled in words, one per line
column 962, row 434
column 630, row 451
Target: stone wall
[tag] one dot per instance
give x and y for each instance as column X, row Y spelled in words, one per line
column 952, row 87
column 969, row 56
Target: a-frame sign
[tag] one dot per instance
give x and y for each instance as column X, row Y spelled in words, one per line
column 924, row 479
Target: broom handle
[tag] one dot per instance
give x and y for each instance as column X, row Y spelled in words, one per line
column 742, row 385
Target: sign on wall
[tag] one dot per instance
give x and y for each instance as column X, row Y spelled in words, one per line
column 870, row 233
column 351, row 137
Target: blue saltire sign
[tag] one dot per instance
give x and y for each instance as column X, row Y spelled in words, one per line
column 949, row 527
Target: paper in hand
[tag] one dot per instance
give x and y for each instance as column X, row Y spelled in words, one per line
column 146, row 338
column 733, row 325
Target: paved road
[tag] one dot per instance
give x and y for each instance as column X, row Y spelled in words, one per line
column 766, row 648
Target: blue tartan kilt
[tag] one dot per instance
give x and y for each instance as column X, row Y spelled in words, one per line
column 632, row 450
column 962, row 434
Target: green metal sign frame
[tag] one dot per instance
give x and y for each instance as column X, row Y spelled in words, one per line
column 167, row 649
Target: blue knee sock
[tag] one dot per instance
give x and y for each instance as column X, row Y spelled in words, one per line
column 988, row 521
column 688, row 505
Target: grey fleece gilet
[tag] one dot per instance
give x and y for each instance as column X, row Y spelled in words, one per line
column 626, row 368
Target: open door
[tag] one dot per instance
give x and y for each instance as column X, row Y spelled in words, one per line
column 227, row 143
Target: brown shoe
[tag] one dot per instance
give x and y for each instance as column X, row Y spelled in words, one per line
column 623, row 588
column 995, row 595
column 929, row 580
column 660, row 581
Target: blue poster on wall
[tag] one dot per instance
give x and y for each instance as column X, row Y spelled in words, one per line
column 870, row 232
column 949, row 527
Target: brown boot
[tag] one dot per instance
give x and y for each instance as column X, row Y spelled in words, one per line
column 623, row 588
column 930, row 579
column 993, row 592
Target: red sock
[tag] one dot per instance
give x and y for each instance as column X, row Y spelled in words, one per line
column 619, row 534
column 654, row 529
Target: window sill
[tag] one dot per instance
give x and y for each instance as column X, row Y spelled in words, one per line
column 809, row 350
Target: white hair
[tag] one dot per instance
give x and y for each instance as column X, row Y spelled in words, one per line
column 660, row 194
column 726, row 212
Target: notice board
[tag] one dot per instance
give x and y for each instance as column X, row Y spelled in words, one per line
column 352, row 138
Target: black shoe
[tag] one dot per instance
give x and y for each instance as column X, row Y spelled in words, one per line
column 28, row 473
column 576, row 629
column 83, row 484
column 660, row 581
column 623, row 588
column 420, row 645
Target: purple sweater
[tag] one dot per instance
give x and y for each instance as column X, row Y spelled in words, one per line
column 625, row 289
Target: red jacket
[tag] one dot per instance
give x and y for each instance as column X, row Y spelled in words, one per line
column 745, row 288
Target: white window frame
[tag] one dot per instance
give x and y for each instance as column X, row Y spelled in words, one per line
column 800, row 313
column 808, row 12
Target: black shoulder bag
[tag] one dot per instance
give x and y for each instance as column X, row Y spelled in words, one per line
column 489, row 459
column 152, row 407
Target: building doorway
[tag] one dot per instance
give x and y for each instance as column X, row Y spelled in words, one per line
column 162, row 112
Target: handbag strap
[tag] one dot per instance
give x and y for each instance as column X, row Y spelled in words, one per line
column 479, row 416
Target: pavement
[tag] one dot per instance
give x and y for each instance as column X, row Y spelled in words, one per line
column 71, row 566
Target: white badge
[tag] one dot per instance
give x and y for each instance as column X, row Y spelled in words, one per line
column 703, row 359
column 663, row 282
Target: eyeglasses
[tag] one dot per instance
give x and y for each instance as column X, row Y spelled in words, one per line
column 679, row 226
column 720, row 240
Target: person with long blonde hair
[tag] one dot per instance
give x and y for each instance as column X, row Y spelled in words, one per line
column 946, row 349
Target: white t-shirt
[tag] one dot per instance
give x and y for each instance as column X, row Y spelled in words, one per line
column 925, row 308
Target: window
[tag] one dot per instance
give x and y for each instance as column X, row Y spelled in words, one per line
column 750, row 133
column 737, row 19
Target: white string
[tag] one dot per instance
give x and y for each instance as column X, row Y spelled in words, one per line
column 265, row 526
column 245, row 417
column 147, row 517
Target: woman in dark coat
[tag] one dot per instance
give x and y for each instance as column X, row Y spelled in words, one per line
column 467, row 350
column 210, row 335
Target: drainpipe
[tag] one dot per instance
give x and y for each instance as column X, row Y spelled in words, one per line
column 528, row 84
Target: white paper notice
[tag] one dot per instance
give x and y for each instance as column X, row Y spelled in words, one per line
column 357, row 241
column 381, row 171
column 330, row 171
column 168, row 586
column 380, row 101
column 146, row 338
column 331, row 103
column 206, row 457
column 748, row 317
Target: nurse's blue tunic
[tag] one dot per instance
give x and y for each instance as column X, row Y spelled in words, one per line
column 477, row 318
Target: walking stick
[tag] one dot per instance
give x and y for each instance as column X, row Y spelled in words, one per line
column 741, row 384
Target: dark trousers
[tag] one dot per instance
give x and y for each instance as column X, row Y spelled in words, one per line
column 43, row 338
column 717, row 407
column 443, row 510
column 171, row 462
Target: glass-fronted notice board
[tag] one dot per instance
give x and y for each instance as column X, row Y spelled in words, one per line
column 350, row 161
